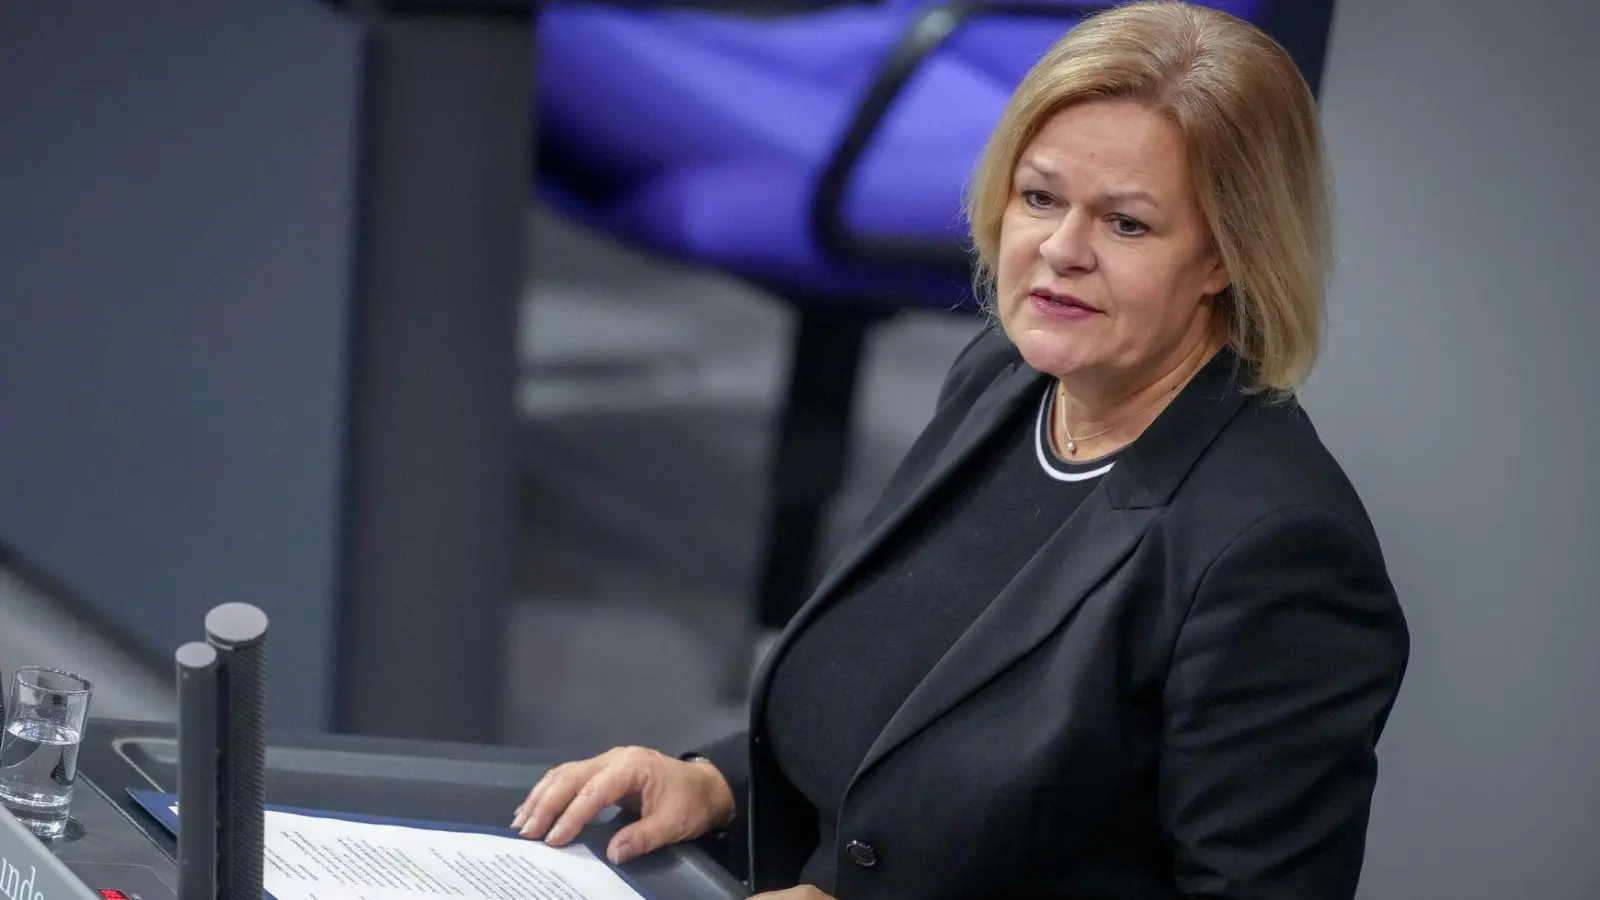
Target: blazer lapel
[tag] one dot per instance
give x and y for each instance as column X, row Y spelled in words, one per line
column 991, row 410
column 1091, row 545
column 1014, row 385
column 1096, row 539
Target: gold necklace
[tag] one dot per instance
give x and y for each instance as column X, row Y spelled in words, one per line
column 1072, row 441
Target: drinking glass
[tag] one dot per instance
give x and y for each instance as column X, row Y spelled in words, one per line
column 39, row 750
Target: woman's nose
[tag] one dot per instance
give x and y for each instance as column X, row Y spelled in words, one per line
column 1068, row 248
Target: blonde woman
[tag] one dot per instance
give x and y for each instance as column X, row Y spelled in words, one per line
column 1120, row 626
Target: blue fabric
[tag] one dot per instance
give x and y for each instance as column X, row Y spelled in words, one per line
column 706, row 132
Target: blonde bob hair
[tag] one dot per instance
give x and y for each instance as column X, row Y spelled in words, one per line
column 1249, row 123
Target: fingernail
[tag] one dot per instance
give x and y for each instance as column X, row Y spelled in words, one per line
column 516, row 824
column 556, row 835
column 619, row 853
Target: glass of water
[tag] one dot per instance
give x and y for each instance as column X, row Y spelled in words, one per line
column 39, row 751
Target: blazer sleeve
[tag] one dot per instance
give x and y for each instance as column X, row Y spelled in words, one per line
column 1284, row 672
column 729, row 847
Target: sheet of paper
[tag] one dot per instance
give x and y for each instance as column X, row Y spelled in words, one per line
column 314, row 858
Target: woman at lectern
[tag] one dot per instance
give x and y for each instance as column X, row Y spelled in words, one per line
column 1119, row 626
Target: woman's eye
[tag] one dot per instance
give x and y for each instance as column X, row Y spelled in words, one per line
column 1126, row 227
column 1036, row 199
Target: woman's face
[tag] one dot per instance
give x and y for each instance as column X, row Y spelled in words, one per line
column 1106, row 273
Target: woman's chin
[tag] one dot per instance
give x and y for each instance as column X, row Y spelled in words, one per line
column 1051, row 353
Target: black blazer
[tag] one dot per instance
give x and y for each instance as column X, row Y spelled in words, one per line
column 1178, row 696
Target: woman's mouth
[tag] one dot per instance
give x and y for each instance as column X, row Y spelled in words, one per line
column 1062, row 306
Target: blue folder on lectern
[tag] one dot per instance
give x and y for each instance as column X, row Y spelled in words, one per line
column 162, row 806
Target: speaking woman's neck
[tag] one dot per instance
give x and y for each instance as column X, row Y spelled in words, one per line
column 1095, row 416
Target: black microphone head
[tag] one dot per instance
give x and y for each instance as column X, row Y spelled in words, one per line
column 198, row 736
column 238, row 632
column 235, row 625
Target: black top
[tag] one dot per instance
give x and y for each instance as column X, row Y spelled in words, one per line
column 854, row 665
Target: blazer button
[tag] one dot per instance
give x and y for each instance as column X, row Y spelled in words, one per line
column 861, row 854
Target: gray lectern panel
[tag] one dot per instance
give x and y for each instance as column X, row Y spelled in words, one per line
column 29, row 871
column 108, row 851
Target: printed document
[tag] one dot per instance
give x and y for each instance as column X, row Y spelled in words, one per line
column 313, row 858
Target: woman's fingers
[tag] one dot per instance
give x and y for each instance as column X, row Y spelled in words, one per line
column 520, row 818
column 677, row 800
column 552, row 795
column 604, row 788
column 648, row 835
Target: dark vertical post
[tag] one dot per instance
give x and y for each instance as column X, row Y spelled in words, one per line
column 238, row 632
column 430, row 516
column 811, row 455
column 198, row 731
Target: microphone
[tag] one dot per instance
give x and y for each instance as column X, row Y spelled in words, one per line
column 197, row 771
column 237, row 632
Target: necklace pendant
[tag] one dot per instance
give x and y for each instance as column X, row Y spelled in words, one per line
column 1072, row 446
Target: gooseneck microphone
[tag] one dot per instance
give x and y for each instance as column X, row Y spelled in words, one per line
column 197, row 771
column 237, row 632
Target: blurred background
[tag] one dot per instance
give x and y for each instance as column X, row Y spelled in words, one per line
column 524, row 363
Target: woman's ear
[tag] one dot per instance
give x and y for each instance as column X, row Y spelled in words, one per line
column 1217, row 279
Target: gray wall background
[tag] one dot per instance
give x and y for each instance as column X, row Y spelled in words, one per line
column 176, row 217
column 1459, row 391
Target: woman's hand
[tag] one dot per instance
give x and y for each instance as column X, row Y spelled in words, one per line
column 676, row 800
column 803, row 892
